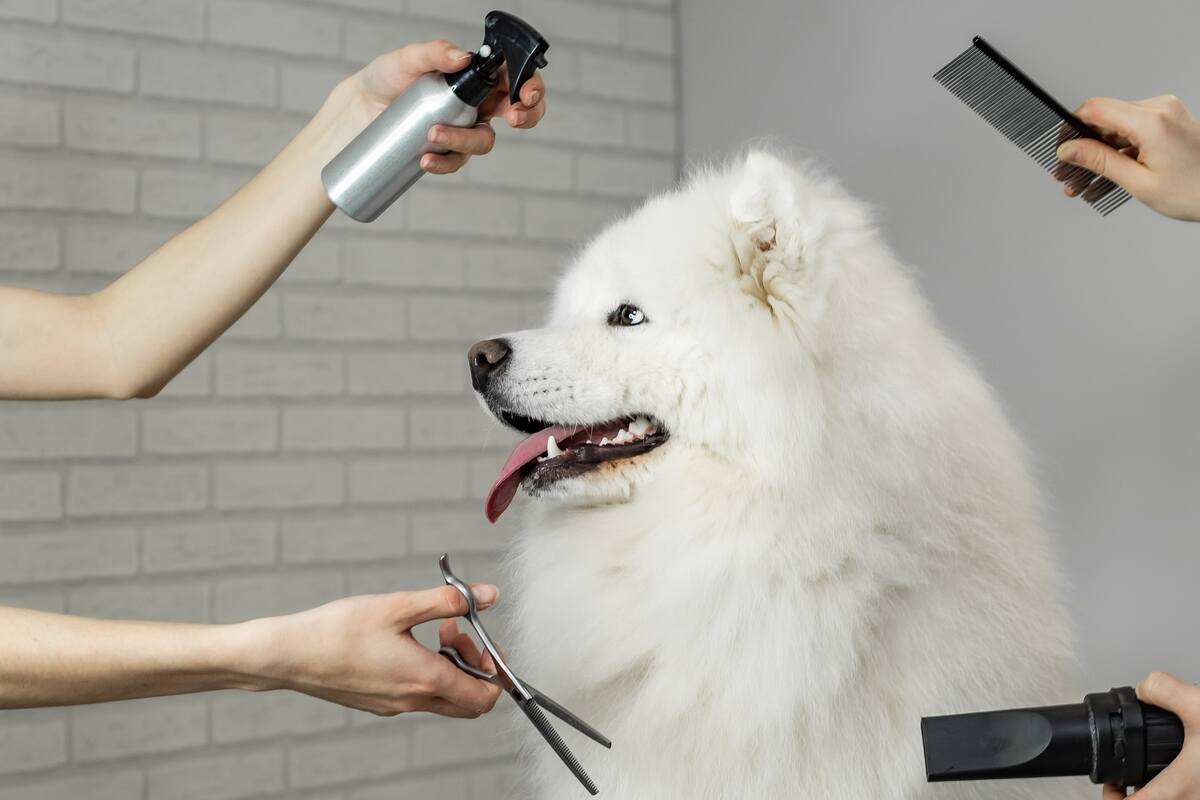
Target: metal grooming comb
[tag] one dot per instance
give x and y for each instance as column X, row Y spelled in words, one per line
column 1028, row 116
column 529, row 699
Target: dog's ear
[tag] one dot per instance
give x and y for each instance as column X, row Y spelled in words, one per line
column 774, row 228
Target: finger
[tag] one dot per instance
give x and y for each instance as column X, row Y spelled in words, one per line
column 475, row 141
column 534, row 91
column 465, row 646
column 1110, row 792
column 1166, row 691
column 461, row 689
column 417, row 59
column 439, row 164
column 1116, row 118
column 1102, row 159
column 446, row 602
column 443, row 707
column 520, row 117
column 447, row 632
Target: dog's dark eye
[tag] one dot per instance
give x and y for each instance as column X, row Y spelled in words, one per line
column 626, row 315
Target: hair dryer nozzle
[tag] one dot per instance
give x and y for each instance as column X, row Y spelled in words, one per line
column 1111, row 737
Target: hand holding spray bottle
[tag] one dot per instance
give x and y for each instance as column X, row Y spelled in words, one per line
column 385, row 159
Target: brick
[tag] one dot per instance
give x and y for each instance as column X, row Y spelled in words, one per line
column 525, row 167
column 246, row 140
column 30, row 495
column 194, row 381
column 404, row 480
column 223, row 777
column 133, row 130
column 29, row 121
column 455, row 426
column 67, row 431
column 505, row 780
column 137, row 727
column 590, row 123
column 380, row 261
column 135, row 489
column 29, row 248
column 263, row 320
column 441, row 743
column 304, row 88
column 207, row 77
column 112, row 249
column 319, row 262
column 186, row 194
column 344, row 318
column 370, row 37
column 407, row 575
column 349, row 759
column 67, row 555
column 344, row 427
column 35, row 10
column 446, row 318
column 654, row 130
column 60, row 186
column 423, row 788
column 361, row 537
column 40, row 600
column 625, row 176
column 568, row 219
column 620, row 77
column 587, row 23
column 273, row 594
column 271, row 26
column 278, row 484
column 96, row 785
column 32, row 744
column 174, row 19
column 258, row 373
column 514, row 267
column 415, row 372
column 216, row 544
column 210, row 429
column 435, row 532
column 481, row 474
column 68, row 62
column 173, row 602
column 434, row 210
column 649, row 31
column 244, row 716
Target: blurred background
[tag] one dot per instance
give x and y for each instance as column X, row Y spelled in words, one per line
column 329, row 444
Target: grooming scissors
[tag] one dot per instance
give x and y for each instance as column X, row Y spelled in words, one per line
column 529, row 699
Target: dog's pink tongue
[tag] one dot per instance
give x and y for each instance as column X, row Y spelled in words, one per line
column 505, row 488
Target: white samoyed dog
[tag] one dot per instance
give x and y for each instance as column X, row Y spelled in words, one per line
column 778, row 517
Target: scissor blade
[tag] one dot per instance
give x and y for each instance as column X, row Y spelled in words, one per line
column 558, row 745
column 569, row 718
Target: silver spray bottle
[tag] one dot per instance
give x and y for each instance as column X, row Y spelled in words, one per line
column 385, row 159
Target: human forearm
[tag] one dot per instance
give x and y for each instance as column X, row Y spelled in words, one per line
column 54, row 659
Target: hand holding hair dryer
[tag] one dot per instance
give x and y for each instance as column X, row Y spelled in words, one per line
column 385, row 159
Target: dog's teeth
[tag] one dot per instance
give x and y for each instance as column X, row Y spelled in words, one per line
column 624, row 437
column 640, row 426
column 552, row 448
column 604, row 441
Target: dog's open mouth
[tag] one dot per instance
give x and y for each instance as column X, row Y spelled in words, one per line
column 552, row 452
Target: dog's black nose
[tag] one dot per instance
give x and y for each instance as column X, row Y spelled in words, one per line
column 485, row 358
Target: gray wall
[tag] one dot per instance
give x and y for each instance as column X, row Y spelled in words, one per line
column 1087, row 326
column 328, row 444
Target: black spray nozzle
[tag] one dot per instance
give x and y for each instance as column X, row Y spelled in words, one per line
column 507, row 39
column 1111, row 737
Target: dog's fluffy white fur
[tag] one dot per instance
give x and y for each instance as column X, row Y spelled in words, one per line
column 840, row 536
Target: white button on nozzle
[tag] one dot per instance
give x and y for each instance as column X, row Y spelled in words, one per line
column 485, row 50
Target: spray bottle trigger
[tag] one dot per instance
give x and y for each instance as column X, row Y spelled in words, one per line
column 523, row 47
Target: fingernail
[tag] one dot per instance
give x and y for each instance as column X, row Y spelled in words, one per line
column 1068, row 152
column 486, row 594
column 534, row 96
column 438, row 136
column 519, row 117
column 458, row 55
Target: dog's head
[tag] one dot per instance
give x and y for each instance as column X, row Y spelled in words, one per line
column 697, row 327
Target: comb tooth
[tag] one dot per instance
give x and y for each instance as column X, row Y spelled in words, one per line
column 1021, row 111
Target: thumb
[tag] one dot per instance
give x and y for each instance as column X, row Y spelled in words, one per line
column 1166, row 691
column 1100, row 158
column 417, row 59
column 446, row 602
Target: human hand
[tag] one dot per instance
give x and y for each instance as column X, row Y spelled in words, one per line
column 360, row 652
column 1181, row 779
column 1151, row 148
column 363, row 96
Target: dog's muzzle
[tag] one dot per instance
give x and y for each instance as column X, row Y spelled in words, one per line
column 484, row 359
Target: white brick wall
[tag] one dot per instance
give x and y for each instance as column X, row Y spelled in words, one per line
column 328, row 444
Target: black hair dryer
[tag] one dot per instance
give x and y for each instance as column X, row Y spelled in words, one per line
column 1111, row 737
